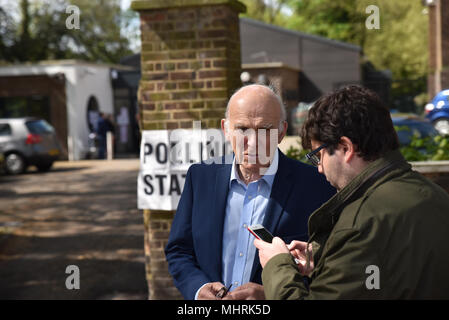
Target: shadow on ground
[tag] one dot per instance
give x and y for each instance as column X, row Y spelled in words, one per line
column 83, row 216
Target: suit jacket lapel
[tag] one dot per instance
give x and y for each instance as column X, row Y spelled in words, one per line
column 221, row 194
column 279, row 195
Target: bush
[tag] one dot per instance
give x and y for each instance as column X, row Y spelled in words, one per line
column 427, row 149
column 297, row 154
column 420, row 149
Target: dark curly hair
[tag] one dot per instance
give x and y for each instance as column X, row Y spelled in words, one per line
column 354, row 112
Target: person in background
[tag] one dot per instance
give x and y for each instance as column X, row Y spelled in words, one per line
column 104, row 126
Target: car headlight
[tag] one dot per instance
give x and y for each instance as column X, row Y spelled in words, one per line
column 429, row 107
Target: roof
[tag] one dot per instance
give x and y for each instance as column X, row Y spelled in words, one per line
column 268, row 65
column 302, row 34
column 20, row 119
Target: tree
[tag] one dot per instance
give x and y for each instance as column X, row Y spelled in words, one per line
column 41, row 32
column 335, row 19
column 400, row 44
column 269, row 11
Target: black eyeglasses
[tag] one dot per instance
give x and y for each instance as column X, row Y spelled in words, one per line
column 313, row 158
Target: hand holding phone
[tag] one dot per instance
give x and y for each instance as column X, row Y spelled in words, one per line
column 261, row 233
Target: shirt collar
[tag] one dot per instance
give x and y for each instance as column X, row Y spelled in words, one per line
column 268, row 176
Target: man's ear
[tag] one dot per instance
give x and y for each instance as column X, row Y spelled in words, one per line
column 283, row 131
column 348, row 148
column 225, row 128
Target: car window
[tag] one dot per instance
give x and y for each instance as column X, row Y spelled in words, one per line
column 5, row 129
column 39, row 127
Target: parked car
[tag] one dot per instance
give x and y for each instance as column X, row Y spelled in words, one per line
column 2, row 158
column 28, row 141
column 407, row 125
column 437, row 111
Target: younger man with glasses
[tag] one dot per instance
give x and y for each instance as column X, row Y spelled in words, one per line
column 384, row 235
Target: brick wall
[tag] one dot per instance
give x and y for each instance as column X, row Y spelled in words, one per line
column 191, row 65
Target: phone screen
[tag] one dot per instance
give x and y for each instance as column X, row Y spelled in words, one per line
column 261, row 233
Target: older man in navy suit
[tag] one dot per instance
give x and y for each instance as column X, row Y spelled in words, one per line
column 209, row 245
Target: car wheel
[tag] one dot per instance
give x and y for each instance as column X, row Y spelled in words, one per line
column 44, row 167
column 442, row 126
column 14, row 163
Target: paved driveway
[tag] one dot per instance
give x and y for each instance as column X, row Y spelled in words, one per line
column 80, row 213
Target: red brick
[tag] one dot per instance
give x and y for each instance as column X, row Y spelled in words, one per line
column 176, row 105
column 183, row 85
column 182, row 65
column 198, row 84
column 151, row 17
column 220, row 63
column 212, row 74
column 155, row 76
column 186, row 124
column 148, row 106
column 172, row 125
column 182, row 75
column 186, row 115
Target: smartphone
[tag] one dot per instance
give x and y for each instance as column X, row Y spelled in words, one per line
column 260, row 232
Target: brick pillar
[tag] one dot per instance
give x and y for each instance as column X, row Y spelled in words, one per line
column 438, row 78
column 190, row 67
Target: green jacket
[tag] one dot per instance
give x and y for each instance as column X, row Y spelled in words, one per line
column 397, row 221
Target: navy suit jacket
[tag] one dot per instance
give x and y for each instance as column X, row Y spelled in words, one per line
column 194, row 249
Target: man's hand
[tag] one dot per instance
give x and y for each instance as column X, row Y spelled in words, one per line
column 209, row 291
column 248, row 291
column 298, row 250
column 269, row 250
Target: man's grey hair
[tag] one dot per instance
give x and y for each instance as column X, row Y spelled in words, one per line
column 275, row 94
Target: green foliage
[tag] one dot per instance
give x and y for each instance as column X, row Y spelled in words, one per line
column 400, row 45
column 297, row 154
column 41, row 32
column 420, row 149
column 336, row 19
column 427, row 149
column 268, row 11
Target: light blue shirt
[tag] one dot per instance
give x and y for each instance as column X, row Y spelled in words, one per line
column 245, row 206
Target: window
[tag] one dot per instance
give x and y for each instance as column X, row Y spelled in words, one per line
column 5, row 130
column 39, row 127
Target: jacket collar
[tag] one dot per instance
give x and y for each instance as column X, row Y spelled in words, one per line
column 324, row 218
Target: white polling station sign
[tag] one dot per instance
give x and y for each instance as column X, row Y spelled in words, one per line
column 165, row 157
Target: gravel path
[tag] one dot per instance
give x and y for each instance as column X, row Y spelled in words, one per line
column 81, row 213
